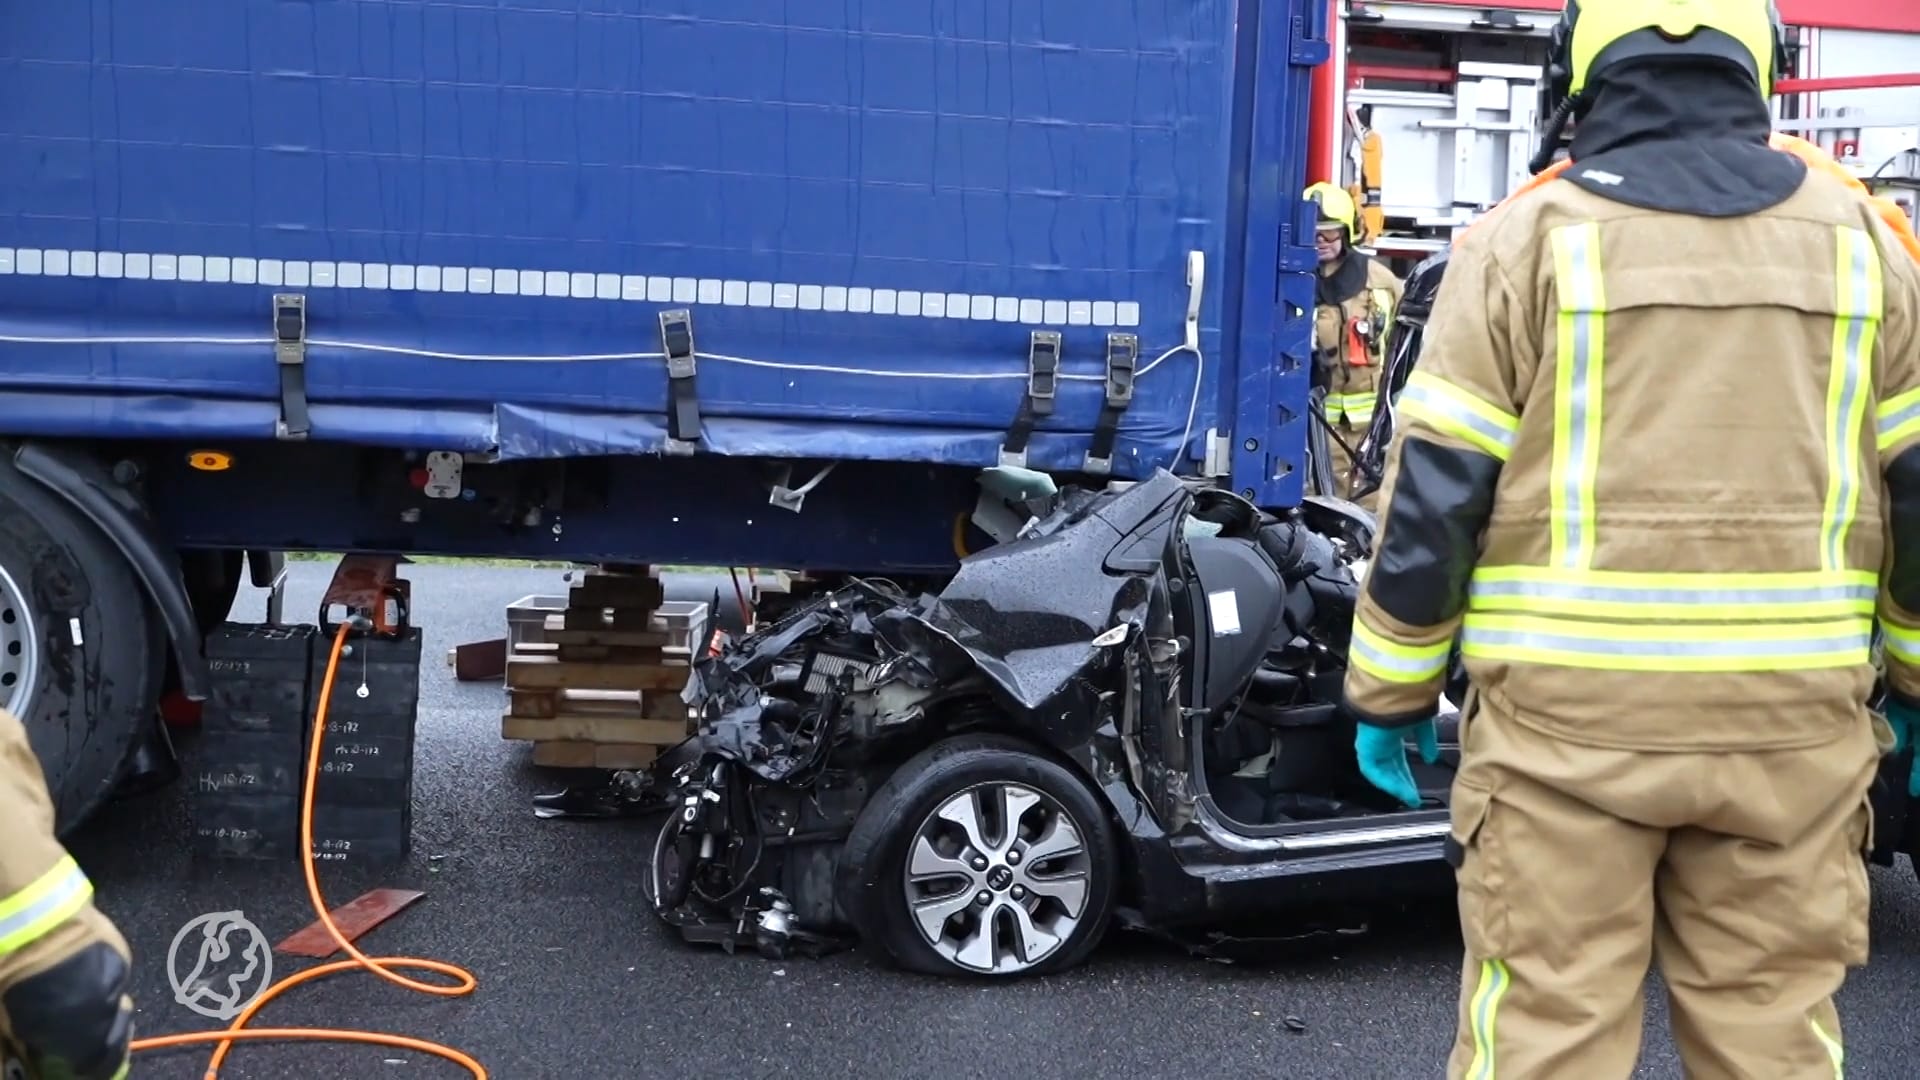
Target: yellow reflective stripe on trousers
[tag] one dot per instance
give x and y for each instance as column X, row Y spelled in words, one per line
column 1372, row 653
column 1858, row 302
column 1697, row 597
column 1786, row 646
column 1482, row 1012
column 1834, row 1051
column 1578, row 376
column 52, row 899
column 1355, row 408
column 1450, row 410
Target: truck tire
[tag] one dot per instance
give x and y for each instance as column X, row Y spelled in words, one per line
column 916, row 883
column 79, row 651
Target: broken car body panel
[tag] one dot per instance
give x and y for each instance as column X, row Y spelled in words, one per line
column 1133, row 633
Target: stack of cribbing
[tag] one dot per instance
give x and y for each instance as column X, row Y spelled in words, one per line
column 602, row 690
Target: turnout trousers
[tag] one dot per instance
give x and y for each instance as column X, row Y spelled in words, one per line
column 1743, row 875
column 1345, row 477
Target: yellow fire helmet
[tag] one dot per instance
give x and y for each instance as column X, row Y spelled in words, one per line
column 1595, row 34
column 1336, row 207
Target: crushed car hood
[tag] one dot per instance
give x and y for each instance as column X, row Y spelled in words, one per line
column 1032, row 650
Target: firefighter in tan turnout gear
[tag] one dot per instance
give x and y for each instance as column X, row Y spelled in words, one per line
column 64, row 1009
column 1353, row 307
column 1666, row 418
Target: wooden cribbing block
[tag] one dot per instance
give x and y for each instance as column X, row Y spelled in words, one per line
column 602, row 654
column 629, row 619
column 639, row 568
column 609, row 591
column 649, row 638
column 541, row 673
column 545, row 704
column 586, row 727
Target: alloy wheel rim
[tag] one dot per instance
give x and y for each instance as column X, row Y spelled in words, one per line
column 19, row 648
column 998, row 878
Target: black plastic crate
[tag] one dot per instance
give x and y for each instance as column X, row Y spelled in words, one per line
column 250, row 764
column 260, row 679
column 390, row 670
column 364, row 792
column 246, row 827
column 362, row 834
column 375, row 757
column 234, row 763
column 363, row 803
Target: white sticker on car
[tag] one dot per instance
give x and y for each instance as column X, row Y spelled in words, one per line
column 1224, row 607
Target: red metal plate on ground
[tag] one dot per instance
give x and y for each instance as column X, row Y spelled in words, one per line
column 354, row 918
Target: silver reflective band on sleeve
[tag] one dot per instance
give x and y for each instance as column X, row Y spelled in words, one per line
column 1578, row 378
column 52, row 899
column 1704, row 649
column 1900, row 643
column 1452, row 411
column 1857, row 300
column 1373, row 654
column 1897, row 418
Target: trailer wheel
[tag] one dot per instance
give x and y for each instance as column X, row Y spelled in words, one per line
column 980, row 858
column 79, row 651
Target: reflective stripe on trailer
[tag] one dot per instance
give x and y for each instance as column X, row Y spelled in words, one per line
column 1858, row 304
column 1578, row 370
column 1450, row 410
column 1790, row 646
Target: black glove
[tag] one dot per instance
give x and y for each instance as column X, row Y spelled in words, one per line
column 74, row 1020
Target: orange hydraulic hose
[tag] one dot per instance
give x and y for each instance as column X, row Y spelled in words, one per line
column 385, row 967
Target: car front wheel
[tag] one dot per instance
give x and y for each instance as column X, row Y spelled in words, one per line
column 980, row 857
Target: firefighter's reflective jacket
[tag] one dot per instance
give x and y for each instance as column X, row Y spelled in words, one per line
column 1349, row 337
column 1651, row 469
column 63, row 966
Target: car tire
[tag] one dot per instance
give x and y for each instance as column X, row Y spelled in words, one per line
column 957, row 916
column 669, row 879
column 86, row 699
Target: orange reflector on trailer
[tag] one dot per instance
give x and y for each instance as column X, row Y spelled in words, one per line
column 210, row 460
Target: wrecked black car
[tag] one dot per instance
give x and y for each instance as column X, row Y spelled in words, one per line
column 1126, row 709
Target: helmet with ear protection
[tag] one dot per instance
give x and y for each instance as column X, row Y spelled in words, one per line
column 1593, row 35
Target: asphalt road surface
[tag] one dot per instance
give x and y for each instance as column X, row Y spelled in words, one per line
column 577, row 980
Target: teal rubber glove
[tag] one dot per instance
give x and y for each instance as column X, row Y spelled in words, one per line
column 1905, row 721
column 1383, row 757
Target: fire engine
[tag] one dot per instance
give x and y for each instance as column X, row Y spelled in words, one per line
column 1429, row 111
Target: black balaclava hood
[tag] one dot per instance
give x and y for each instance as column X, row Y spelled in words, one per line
column 1681, row 136
column 1345, row 282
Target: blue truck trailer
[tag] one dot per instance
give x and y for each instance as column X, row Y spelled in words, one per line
column 749, row 282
